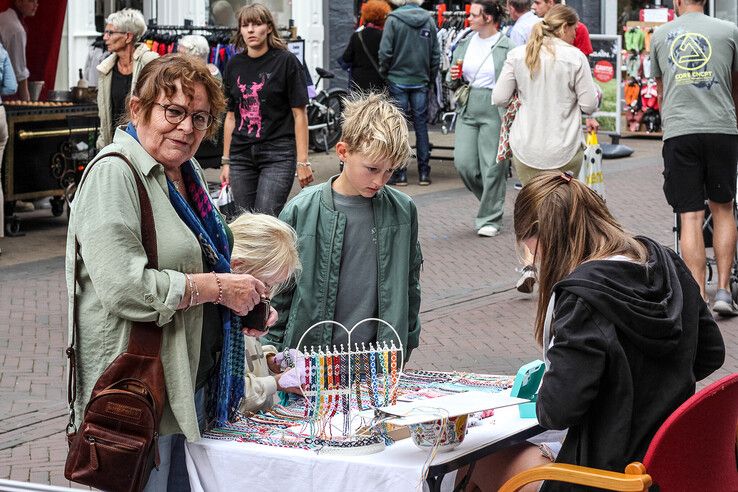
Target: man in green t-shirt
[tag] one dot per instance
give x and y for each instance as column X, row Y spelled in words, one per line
column 694, row 59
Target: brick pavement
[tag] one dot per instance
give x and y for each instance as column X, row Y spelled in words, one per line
column 472, row 318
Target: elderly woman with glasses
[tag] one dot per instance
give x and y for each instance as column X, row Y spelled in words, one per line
column 191, row 294
column 119, row 71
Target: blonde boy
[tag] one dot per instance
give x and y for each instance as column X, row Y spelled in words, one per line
column 358, row 240
column 265, row 247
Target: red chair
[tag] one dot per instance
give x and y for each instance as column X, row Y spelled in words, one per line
column 693, row 450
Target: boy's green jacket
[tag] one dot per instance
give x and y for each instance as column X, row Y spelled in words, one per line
column 320, row 230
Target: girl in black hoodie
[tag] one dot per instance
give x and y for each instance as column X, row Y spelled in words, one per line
column 630, row 332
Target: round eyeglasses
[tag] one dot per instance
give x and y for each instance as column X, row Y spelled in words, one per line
column 175, row 115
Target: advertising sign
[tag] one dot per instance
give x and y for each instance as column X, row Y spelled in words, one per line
column 605, row 64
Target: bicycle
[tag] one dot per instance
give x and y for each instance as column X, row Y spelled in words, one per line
column 325, row 115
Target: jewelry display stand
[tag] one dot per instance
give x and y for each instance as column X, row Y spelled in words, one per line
column 343, row 381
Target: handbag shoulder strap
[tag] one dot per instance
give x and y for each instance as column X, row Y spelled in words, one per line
column 145, row 338
column 368, row 55
column 489, row 53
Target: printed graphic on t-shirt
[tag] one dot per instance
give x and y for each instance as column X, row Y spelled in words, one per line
column 689, row 53
column 250, row 105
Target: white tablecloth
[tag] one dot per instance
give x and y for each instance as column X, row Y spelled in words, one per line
column 227, row 465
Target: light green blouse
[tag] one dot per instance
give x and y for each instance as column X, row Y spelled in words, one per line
column 115, row 287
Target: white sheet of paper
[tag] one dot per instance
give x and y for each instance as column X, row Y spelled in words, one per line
column 416, row 412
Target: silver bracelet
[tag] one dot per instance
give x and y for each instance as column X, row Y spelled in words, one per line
column 192, row 290
column 303, row 164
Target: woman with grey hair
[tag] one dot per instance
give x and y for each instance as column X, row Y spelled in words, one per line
column 119, row 71
column 197, row 45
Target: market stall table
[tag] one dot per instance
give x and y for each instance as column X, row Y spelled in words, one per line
column 227, row 464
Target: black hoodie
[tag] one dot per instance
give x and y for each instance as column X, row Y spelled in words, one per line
column 630, row 340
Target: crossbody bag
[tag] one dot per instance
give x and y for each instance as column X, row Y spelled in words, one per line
column 368, row 55
column 116, row 446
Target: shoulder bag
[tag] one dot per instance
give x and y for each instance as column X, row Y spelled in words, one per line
column 117, row 446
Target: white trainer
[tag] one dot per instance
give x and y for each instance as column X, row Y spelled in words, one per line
column 488, row 231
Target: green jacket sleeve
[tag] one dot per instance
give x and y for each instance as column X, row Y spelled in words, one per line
column 282, row 302
column 416, row 262
column 108, row 228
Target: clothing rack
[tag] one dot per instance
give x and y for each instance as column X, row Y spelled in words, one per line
column 163, row 39
column 188, row 27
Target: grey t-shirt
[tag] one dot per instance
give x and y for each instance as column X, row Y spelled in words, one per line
column 357, row 280
column 695, row 55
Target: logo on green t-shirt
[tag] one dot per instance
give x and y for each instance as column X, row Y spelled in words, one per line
column 690, row 52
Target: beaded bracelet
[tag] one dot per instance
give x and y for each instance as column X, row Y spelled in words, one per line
column 362, row 441
column 303, row 164
column 220, row 289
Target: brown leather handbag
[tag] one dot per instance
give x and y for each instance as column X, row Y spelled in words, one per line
column 116, row 446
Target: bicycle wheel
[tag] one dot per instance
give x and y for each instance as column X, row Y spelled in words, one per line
column 334, row 102
column 330, row 114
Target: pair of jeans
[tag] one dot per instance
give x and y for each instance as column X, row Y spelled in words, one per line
column 172, row 473
column 413, row 101
column 262, row 176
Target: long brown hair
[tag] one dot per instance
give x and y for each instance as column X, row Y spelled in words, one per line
column 257, row 14
column 552, row 26
column 572, row 225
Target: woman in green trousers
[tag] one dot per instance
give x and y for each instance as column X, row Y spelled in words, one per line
column 477, row 60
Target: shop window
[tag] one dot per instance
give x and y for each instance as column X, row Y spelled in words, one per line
column 222, row 12
column 103, row 8
column 726, row 10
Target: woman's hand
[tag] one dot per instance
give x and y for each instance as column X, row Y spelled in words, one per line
column 455, row 71
column 305, row 175
column 225, row 174
column 273, row 316
column 592, row 125
column 242, row 292
column 250, row 332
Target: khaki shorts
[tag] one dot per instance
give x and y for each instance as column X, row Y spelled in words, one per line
column 525, row 173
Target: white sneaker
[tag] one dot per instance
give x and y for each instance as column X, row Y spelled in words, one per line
column 488, row 231
column 527, row 280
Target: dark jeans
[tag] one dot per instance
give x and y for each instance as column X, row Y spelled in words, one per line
column 415, row 99
column 262, row 177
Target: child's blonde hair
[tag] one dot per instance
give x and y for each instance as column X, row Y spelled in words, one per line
column 266, row 247
column 375, row 128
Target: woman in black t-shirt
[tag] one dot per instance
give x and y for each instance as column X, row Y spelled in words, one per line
column 362, row 52
column 266, row 129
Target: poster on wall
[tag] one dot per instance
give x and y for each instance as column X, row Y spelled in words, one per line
column 297, row 48
column 605, row 62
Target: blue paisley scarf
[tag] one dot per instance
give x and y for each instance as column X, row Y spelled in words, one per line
column 208, row 227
